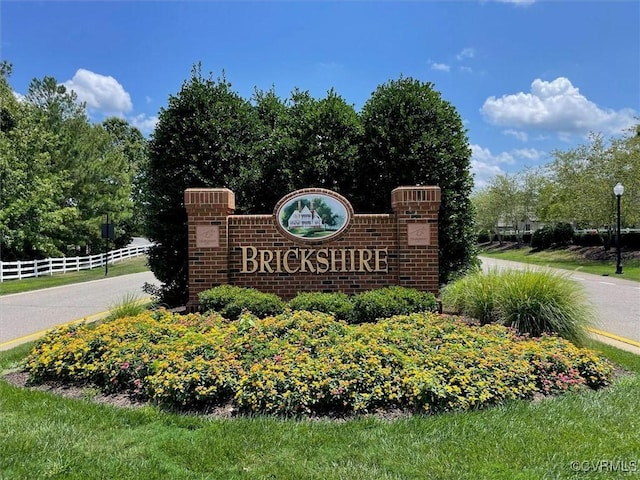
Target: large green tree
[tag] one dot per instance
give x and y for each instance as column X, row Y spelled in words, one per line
column 33, row 217
column 204, row 138
column 59, row 174
column 414, row 137
column 304, row 142
column 129, row 142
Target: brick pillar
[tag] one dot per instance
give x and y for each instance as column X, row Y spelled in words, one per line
column 207, row 212
column 416, row 211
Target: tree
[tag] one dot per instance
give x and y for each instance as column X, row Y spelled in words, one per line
column 59, row 174
column 414, row 137
column 324, row 142
column 488, row 212
column 204, row 138
column 270, row 152
column 101, row 184
column 32, row 220
column 305, row 142
column 576, row 187
column 582, row 180
column 130, row 143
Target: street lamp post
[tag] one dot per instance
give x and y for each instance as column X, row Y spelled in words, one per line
column 618, row 190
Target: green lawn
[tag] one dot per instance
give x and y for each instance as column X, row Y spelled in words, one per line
column 125, row 267
column 567, row 260
column 46, row 436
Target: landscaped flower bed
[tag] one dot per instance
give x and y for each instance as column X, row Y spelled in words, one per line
column 300, row 363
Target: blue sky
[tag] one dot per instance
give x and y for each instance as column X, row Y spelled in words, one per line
column 527, row 76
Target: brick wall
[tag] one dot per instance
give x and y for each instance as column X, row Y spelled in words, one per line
column 406, row 242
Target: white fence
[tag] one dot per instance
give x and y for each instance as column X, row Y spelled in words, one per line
column 48, row 266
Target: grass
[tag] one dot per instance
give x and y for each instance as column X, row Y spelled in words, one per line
column 531, row 301
column 567, row 260
column 46, row 436
column 129, row 306
column 125, row 267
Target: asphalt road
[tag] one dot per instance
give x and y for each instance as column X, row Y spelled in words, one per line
column 25, row 314
column 616, row 300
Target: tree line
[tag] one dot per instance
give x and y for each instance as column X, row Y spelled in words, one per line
column 60, row 174
column 575, row 186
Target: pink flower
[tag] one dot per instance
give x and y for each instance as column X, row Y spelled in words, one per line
column 125, row 365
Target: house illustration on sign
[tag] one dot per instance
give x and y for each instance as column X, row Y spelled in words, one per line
column 305, row 217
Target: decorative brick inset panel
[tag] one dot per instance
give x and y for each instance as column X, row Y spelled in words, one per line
column 418, row 234
column 376, row 250
column 207, row 236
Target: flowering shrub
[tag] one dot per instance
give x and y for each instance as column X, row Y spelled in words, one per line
column 299, row 363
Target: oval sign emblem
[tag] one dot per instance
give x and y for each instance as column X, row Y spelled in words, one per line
column 313, row 215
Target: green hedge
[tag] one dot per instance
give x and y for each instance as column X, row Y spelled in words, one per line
column 336, row 303
column 230, row 301
column 555, row 234
column 389, row 301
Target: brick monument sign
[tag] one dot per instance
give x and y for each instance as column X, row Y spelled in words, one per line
column 313, row 241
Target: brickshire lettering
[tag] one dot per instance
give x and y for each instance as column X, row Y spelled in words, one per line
column 312, row 260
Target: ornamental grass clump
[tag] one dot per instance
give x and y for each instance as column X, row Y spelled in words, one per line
column 534, row 302
column 540, row 301
column 474, row 295
column 307, row 363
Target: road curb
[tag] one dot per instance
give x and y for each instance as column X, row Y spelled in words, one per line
column 34, row 336
column 616, row 341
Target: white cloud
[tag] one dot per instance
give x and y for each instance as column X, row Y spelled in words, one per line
column 528, row 153
column 19, row 97
column 466, row 53
column 100, row 92
column 485, row 165
column 484, row 155
column 442, row 67
column 555, row 106
column 483, row 173
column 144, row 123
column 519, row 135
